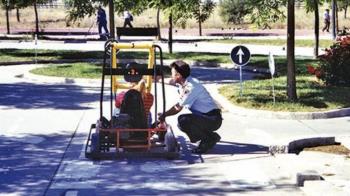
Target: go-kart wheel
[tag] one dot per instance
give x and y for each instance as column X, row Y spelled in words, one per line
column 95, row 144
column 170, row 142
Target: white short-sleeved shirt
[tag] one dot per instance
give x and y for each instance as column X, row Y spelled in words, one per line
column 127, row 14
column 194, row 96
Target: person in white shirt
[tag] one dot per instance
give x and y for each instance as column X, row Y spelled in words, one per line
column 205, row 119
column 127, row 19
column 327, row 21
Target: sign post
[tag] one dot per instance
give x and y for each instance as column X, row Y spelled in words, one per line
column 272, row 71
column 36, row 46
column 240, row 55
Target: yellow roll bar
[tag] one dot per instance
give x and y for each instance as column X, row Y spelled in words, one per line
column 114, row 61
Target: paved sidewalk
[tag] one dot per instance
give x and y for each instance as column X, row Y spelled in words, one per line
column 239, row 163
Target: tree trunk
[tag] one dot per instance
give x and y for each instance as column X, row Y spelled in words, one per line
column 36, row 19
column 334, row 30
column 291, row 81
column 7, row 19
column 199, row 21
column 317, row 26
column 346, row 10
column 18, row 16
column 170, row 38
column 158, row 24
column 111, row 19
column 336, row 16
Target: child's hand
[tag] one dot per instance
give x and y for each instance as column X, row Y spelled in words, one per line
column 161, row 117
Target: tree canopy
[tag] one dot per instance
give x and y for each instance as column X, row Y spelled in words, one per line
column 80, row 8
column 260, row 12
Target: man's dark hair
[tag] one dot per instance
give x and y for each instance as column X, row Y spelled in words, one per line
column 181, row 67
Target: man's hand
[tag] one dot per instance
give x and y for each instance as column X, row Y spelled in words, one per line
column 172, row 111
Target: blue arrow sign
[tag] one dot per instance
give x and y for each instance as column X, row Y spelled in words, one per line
column 240, row 55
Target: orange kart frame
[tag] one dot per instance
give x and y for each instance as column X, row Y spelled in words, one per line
column 109, row 143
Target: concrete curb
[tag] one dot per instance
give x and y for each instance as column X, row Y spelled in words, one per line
column 298, row 145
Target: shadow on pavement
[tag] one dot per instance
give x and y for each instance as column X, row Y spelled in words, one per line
column 28, row 162
column 36, row 96
column 146, row 176
column 224, row 147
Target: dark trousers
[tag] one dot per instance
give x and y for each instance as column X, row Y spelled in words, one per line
column 326, row 25
column 200, row 126
column 104, row 26
column 127, row 22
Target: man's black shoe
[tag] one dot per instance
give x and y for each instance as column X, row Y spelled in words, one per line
column 208, row 144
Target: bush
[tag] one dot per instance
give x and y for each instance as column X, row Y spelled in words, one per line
column 335, row 63
column 234, row 11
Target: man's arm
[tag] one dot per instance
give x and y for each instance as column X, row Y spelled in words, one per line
column 172, row 111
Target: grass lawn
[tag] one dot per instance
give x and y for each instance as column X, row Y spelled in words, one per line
column 75, row 70
column 312, row 95
column 21, row 55
column 14, row 55
column 276, row 42
column 260, row 61
column 17, row 55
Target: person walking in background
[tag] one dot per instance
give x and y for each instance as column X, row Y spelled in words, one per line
column 127, row 19
column 102, row 23
column 327, row 21
column 205, row 117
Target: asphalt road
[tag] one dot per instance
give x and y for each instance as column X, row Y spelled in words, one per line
column 45, row 122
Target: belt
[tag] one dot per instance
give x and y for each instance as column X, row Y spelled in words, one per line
column 213, row 112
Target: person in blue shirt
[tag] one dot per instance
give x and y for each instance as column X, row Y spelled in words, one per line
column 102, row 22
column 205, row 117
column 327, row 21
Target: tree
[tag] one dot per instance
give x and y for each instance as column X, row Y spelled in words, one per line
column 7, row 5
column 291, row 81
column 81, row 8
column 7, row 18
column 233, row 11
column 334, row 27
column 19, row 4
column 173, row 9
column 313, row 5
column 202, row 12
column 343, row 5
column 159, row 5
column 36, row 18
column 266, row 12
column 261, row 12
column 18, row 15
column 269, row 11
column 26, row 3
